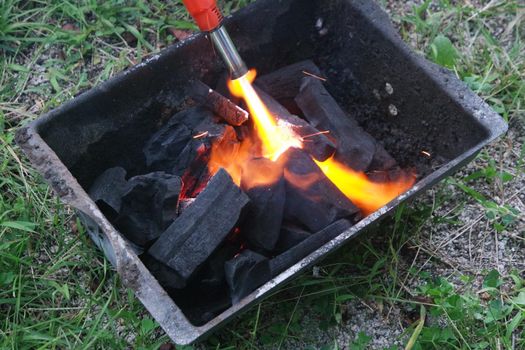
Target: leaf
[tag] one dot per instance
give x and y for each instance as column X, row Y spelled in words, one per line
column 514, row 323
column 443, row 51
column 147, row 325
column 361, row 342
column 497, row 311
column 6, row 277
column 344, row 297
column 492, row 280
column 19, row 225
column 519, row 299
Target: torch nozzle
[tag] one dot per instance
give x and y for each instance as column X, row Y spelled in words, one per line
column 222, row 41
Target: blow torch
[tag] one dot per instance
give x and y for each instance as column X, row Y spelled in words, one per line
column 209, row 19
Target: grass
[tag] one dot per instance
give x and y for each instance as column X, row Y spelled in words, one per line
column 57, row 290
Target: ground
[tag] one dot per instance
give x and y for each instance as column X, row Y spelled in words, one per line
column 446, row 272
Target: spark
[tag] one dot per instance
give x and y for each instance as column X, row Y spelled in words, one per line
column 316, row 133
column 202, row 134
column 314, row 76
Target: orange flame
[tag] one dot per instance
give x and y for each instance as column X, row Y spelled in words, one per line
column 367, row 195
column 275, row 139
column 271, row 139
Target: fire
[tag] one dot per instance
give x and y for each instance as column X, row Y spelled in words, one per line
column 275, row 139
column 270, row 139
column 367, row 195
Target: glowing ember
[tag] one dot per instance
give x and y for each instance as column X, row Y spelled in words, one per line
column 367, row 195
column 275, row 138
column 271, row 138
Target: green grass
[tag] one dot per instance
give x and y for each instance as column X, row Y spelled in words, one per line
column 57, row 290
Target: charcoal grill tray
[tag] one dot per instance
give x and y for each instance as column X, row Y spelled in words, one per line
column 107, row 125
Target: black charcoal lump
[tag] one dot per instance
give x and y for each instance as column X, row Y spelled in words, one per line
column 264, row 214
column 355, row 147
column 198, row 231
column 149, row 205
column 164, row 147
column 142, row 207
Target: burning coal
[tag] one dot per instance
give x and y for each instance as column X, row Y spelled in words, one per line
column 229, row 201
column 272, row 137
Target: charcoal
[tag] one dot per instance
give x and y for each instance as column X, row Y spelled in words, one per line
column 265, row 212
column 199, row 303
column 290, row 236
column 149, row 205
column 314, row 142
column 164, row 147
column 311, row 199
column 199, row 230
column 212, row 273
column 220, row 105
column 244, row 273
column 184, row 203
column 355, row 147
column 284, row 83
column 193, row 162
column 108, row 188
column 167, row 277
column 301, row 250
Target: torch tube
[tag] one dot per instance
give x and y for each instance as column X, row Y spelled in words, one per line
column 222, row 41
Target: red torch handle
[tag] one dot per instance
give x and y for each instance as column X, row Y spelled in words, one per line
column 205, row 13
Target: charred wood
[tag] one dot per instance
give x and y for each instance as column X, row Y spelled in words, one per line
column 355, row 147
column 199, row 230
column 312, row 200
column 220, row 105
column 149, row 205
column 264, row 213
column 307, row 246
column 315, row 142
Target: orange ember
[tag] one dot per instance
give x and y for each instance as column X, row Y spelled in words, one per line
column 244, row 160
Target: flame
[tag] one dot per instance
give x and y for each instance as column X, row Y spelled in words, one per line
column 271, row 138
column 366, row 194
column 275, row 139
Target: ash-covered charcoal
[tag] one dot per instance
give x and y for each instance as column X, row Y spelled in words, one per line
column 149, row 205
column 355, row 147
column 108, row 188
column 244, row 273
column 290, row 236
column 312, row 200
column 284, row 83
column 315, row 241
column 315, row 142
column 164, row 147
column 220, row 105
column 199, row 230
column 167, row 277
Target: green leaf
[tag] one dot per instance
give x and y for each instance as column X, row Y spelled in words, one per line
column 514, row 323
column 147, row 325
column 492, row 280
column 519, row 299
column 6, row 277
column 361, row 342
column 497, row 311
column 443, row 51
column 19, row 225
